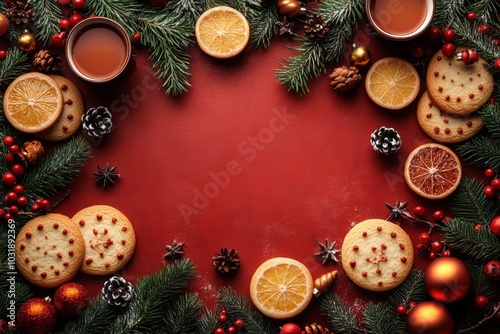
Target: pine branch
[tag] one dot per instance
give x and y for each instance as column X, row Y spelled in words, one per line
column 381, row 318
column 21, row 292
column 486, row 10
column 340, row 317
column 447, row 11
column 124, row 12
column 468, row 202
column 467, row 34
column 412, row 289
column 94, row 320
column 56, row 171
column 194, row 8
column 180, row 314
column 239, row 307
column 15, row 64
column 207, row 322
column 481, row 151
column 48, row 16
column 153, row 294
column 463, row 238
column 490, row 114
column 262, row 19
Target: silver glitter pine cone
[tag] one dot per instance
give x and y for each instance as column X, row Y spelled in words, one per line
column 385, row 140
column 117, row 291
column 97, row 122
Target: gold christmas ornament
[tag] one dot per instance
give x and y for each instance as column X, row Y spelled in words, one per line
column 447, row 279
column 289, row 8
column 315, row 329
column 26, row 42
column 429, row 318
column 322, row 284
column 359, row 56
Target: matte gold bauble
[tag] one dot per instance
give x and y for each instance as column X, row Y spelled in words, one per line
column 429, row 318
column 4, row 24
column 447, row 279
column 26, row 42
column 359, row 56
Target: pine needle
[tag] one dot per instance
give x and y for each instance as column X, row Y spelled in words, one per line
column 412, row 289
column 340, row 317
column 48, row 16
column 15, row 64
column 481, row 151
column 381, row 318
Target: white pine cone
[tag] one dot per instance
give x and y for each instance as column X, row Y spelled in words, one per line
column 385, row 140
column 117, row 291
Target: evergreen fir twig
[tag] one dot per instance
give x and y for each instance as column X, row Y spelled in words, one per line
column 124, row 12
column 482, row 151
column 48, row 16
column 381, row 318
column 180, row 314
column 194, row 8
column 20, row 293
column 15, row 64
column 263, row 20
column 490, row 114
column 481, row 43
column 412, row 289
column 208, row 322
column 446, row 11
column 486, row 10
column 338, row 315
column 240, row 307
column 94, row 320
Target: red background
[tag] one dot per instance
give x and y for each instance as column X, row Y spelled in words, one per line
column 293, row 183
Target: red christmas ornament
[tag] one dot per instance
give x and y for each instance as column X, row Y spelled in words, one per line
column 36, row 316
column 429, row 318
column 447, row 279
column 70, row 299
column 290, row 328
column 492, row 270
column 495, row 226
column 467, row 56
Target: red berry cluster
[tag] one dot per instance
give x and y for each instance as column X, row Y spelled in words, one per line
column 15, row 199
column 233, row 328
column 425, row 243
column 59, row 39
column 403, row 310
column 493, row 189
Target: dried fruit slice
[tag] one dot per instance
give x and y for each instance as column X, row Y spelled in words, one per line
column 392, row 83
column 281, row 288
column 433, row 171
column 222, row 32
column 33, row 102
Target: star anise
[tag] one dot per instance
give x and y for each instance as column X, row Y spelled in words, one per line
column 285, row 26
column 174, row 251
column 398, row 212
column 106, row 176
column 327, row 252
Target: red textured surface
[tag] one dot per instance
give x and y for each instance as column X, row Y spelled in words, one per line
column 293, row 170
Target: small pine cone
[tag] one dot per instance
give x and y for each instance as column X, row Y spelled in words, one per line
column 315, row 329
column 385, row 140
column 31, row 152
column 117, row 291
column 46, row 62
column 20, row 12
column 315, row 27
column 343, row 78
column 227, row 262
column 97, row 122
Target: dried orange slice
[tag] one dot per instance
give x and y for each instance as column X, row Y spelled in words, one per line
column 33, row 102
column 392, row 83
column 222, row 32
column 281, row 288
column 433, row 171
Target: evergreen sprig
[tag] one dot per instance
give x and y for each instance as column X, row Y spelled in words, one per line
column 467, row 34
column 490, row 114
column 208, row 322
column 124, row 12
column 15, row 64
column 95, row 319
column 263, row 20
column 21, row 293
column 482, row 151
column 178, row 318
column 240, row 307
column 338, row 315
column 381, row 318
column 412, row 289
column 48, row 16
column 447, row 11
column 486, row 10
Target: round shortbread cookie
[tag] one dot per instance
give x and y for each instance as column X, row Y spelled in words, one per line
column 444, row 127
column 457, row 88
column 377, row 255
column 71, row 117
column 109, row 239
column 49, row 250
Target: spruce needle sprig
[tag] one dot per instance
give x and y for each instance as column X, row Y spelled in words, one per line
column 15, row 64
column 263, row 20
column 48, row 16
column 338, row 315
column 482, row 151
column 448, row 10
column 179, row 316
column 124, row 12
column 467, row 35
column 381, row 318
column 486, row 10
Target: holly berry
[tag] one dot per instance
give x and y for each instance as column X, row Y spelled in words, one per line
column 290, row 329
column 8, row 179
column 492, row 270
column 219, row 331
column 471, row 16
column 496, row 41
column 58, row 40
column 13, row 210
column 11, row 196
column 438, row 215
column 64, row 24
column 437, row 246
column 495, row 226
column 222, row 318
column 445, row 253
column 481, row 301
column 22, row 200
column 64, row 2
column 495, row 183
column 35, row 208
column 434, row 33
column 14, row 148
column 44, row 204
column 238, row 323
column 432, row 255
column 18, row 189
column 489, row 192
column 424, row 238
column 449, row 49
column 18, row 169
column 8, row 141
column 489, row 172
column 401, row 310
column 478, row 227
column 449, row 35
column 231, row 330
column 9, row 157
column 75, row 18
column 483, row 28
column 417, row 51
column 496, row 64
column 136, row 38
column 3, row 54
column 419, row 211
column 78, row 3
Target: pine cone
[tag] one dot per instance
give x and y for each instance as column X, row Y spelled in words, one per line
column 117, row 291
column 227, row 262
column 315, row 27
column 315, row 329
column 20, row 12
column 46, row 62
column 97, row 122
column 343, row 78
column 385, row 140
column 31, row 151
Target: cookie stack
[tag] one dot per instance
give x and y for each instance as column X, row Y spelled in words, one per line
column 51, row 249
column 447, row 111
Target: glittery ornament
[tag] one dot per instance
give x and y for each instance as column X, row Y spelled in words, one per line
column 324, row 282
column 359, row 56
column 429, row 318
column 70, row 299
column 36, row 316
column 447, row 279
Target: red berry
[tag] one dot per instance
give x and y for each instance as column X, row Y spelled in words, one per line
column 421, row 247
column 64, row 24
column 290, row 329
column 219, row 331
column 8, row 216
column 401, row 310
column 449, row 35
column 432, row 255
column 75, row 18
column 222, row 318
column 478, row 227
column 489, row 172
column 238, row 323
column 1, row 213
column 437, row 246
column 22, row 200
column 496, row 41
column 58, row 40
column 438, row 215
column 492, row 270
column 64, row 2
column 489, row 192
column 424, row 238
column 8, row 179
column 136, row 38
column 14, row 210
column 11, row 196
column 496, row 64
column 481, row 301
column 78, row 3
column 223, row 311
column 412, row 304
column 14, row 148
column 45, row 204
column 434, row 33
column 417, row 51
column 35, row 207
column 9, row 157
column 495, row 226
column 18, row 189
column 483, row 28
column 419, row 210
column 471, row 16
column 448, row 50
column 495, row 183
column 18, row 169
column 231, row 330
column 446, row 253
column 8, row 141
column 3, row 54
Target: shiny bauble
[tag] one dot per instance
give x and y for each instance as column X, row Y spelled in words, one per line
column 495, row 226
column 290, row 328
column 492, row 270
column 71, row 299
column 447, row 279
column 26, row 42
column 4, row 24
column 429, row 318
column 36, row 316
column 359, row 56
column 289, row 8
